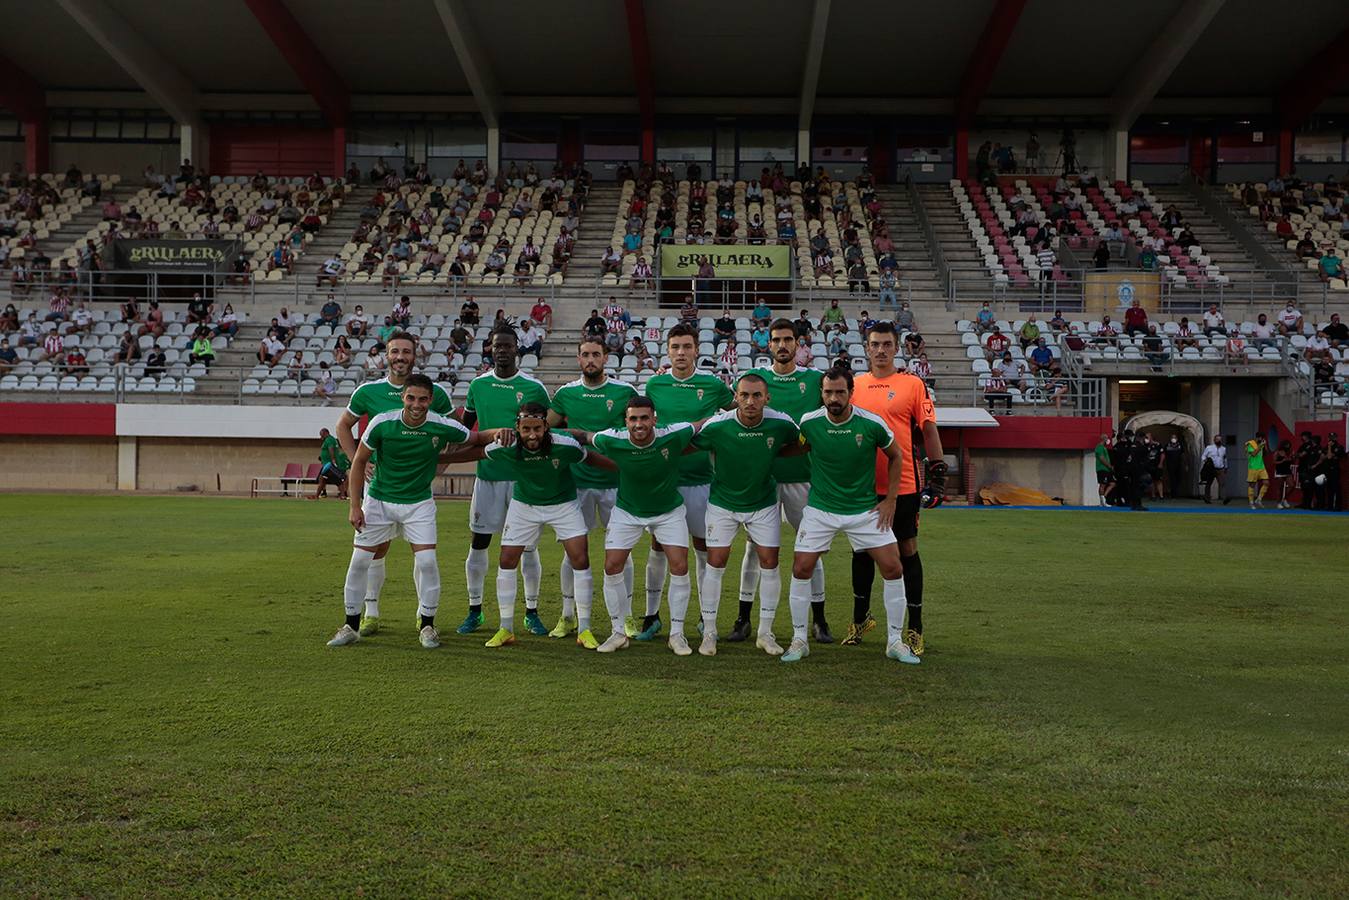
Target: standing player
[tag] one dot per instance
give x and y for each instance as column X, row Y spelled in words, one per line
column 369, row 400
column 903, row 402
column 683, row 394
column 593, row 402
column 648, row 500
column 794, row 391
column 409, row 443
column 494, row 400
column 745, row 443
column 843, row 441
column 541, row 463
column 1257, row 478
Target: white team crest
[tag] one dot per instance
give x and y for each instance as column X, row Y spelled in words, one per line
column 519, row 396
column 859, row 439
column 435, row 442
column 556, row 463
column 700, row 393
column 664, row 452
column 770, row 443
column 609, row 405
column 802, row 386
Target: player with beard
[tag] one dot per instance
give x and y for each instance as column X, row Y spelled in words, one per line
column 368, row 401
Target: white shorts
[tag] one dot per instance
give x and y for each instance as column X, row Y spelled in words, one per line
column 793, row 498
column 524, row 523
column 695, row 507
column 818, row 529
column 764, row 526
column 597, row 505
column 487, row 510
column 384, row 520
column 625, row 529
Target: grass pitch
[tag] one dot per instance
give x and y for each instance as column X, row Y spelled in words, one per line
column 1110, row 704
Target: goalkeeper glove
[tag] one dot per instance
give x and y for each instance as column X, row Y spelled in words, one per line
column 934, row 489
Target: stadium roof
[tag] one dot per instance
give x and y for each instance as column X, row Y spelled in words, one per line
column 1015, row 58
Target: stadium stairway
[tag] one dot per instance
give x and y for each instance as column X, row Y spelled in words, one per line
column 335, row 234
column 957, row 244
column 1309, row 281
column 917, row 269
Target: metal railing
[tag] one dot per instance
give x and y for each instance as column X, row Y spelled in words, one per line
column 1028, row 395
column 929, row 233
column 1125, row 354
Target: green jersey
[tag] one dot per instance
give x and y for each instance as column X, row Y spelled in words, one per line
column 843, row 460
column 648, row 477
column 408, row 455
column 743, row 457
column 1102, row 458
column 795, row 394
column 496, row 402
column 542, row 478
column 330, row 451
column 375, row 397
column 700, row 396
column 593, row 409
column 1255, row 456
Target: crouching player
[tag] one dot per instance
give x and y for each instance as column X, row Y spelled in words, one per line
column 409, row 442
column 540, row 465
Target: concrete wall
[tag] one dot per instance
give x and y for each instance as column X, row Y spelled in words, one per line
column 58, row 463
column 170, row 464
column 1056, row 472
column 114, row 158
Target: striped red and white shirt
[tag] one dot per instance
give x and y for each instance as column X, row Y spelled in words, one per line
column 253, row 222
column 59, row 303
column 53, row 344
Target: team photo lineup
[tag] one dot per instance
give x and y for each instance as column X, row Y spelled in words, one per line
column 690, row 461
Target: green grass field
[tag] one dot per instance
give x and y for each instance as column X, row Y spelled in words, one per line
column 1110, row 704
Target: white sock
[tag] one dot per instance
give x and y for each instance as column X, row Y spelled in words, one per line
column 628, row 578
column 709, row 597
column 507, row 579
column 428, row 582
column 770, row 592
column 374, row 583
column 655, row 581
column 817, row 582
column 895, row 606
column 749, row 573
column 475, row 573
column 799, row 600
column 680, row 589
column 699, row 567
column 568, row 581
column 532, row 568
column 613, row 601
column 585, row 588
column 358, row 571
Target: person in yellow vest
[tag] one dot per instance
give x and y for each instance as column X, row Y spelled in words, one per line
column 1257, row 479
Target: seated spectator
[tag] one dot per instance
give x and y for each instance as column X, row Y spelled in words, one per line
column 468, row 312
column 1042, row 359
column 914, row 345
column 1290, row 319
column 156, row 362
column 759, row 337
column 459, row 338
column 58, row 307
column 619, row 319
column 374, row 362
column 240, row 269
column 1318, row 347
column 1105, row 332
column 298, row 368
column 1154, row 348
column 202, row 351
column 75, row 362
column 858, row 283
column 112, row 212
column 996, row 343
column 342, row 351
column 920, row 367
column 154, row 321
column 402, row 312
column 641, row 273
column 53, row 349
column 280, row 259
column 1012, row 370
column 358, row 323
column 1029, row 332
column 904, row 319
column 723, row 328
column 9, row 357
column 1337, row 332
column 1330, row 266
column 688, row 313
column 542, row 313
column 330, row 313
column 984, row 319
column 833, row 315
column 595, row 326
column 1262, row 333
column 285, row 324
column 325, row 385
column 1135, row 319
column 995, row 391
column 611, row 261
column 1234, row 351
column 1213, row 321
column 9, row 319
column 1186, row 336
column 271, row 349
column 530, row 339
column 637, row 348
column 331, row 270
column 804, row 327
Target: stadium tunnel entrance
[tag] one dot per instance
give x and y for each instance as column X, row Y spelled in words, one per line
column 1163, row 423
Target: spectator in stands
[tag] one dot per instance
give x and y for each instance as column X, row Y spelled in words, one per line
column 1042, row 360
column 837, row 345
column 688, row 313
column 358, row 323
column 729, row 360
column 833, row 315
column 374, row 362
column 759, row 337
column 199, row 310
column 611, row 261
column 542, row 313
column 53, row 349
column 1337, row 332
column 914, row 345
column 402, row 312
column 325, row 385
column 271, row 349
column 1306, row 248
column 804, row 327
column 285, row 324
column 1014, row 371
column 129, row 350
column 156, row 362
column 1135, row 319
column 58, row 307
column 530, row 339
column 638, row 349
column 1213, row 321
column 1290, row 319
column 1234, row 350
column 984, row 319
column 9, row 319
column 468, row 312
column 858, row 283
column 1101, row 258
column 1185, row 335
column 154, row 321
column 1262, row 333
column 330, row 313
column 904, row 319
column 9, row 357
column 298, row 368
column 1154, row 349
column 595, row 326
column 1105, row 332
column 996, row 343
column 459, row 338
column 996, row 390
column 1330, row 266
column 1318, row 347
column 1029, row 332
column 202, row 351
column 641, row 273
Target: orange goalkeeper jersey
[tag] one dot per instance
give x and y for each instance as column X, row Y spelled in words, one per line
column 902, row 400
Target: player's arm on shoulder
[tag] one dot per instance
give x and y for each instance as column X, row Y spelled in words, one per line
column 600, row 461
column 555, row 418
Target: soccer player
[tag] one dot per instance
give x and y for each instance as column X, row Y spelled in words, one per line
column 794, row 391
column 409, row 443
column 683, row 394
column 1257, row 478
column 541, row 463
column 843, row 440
column 368, row 401
column 494, row 400
column 745, row 443
column 648, row 460
column 593, row 402
column 903, row 402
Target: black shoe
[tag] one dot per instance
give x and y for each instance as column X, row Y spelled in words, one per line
column 1207, row 501
column 820, row 631
column 740, row 632
column 1226, row 500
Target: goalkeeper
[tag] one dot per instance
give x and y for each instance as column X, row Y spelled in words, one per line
column 903, row 402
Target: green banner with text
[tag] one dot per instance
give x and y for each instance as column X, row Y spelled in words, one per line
column 728, row 260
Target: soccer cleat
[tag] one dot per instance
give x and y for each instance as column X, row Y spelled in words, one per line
column 565, row 626
column 708, row 647
column 798, row 651
column 739, row 632
column 587, row 640
column 533, row 624
column 821, row 633
column 900, row 651
column 502, row 638
column 615, row 641
column 345, row 635
column 429, row 637
column 855, row 630
column 769, row 644
column 649, row 633
column 369, row 625
column 472, row 622
column 915, row 641
column 630, row 626
column 679, row 644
